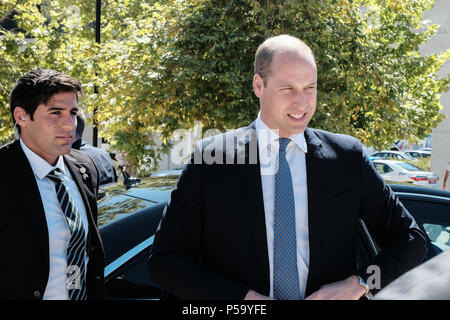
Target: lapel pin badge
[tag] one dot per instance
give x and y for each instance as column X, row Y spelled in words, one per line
column 83, row 171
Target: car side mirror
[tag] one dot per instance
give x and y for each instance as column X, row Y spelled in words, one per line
column 128, row 180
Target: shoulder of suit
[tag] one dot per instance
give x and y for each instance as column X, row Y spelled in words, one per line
column 227, row 139
column 91, row 150
column 335, row 140
column 78, row 156
column 8, row 149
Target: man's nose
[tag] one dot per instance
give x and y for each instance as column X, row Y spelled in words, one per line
column 69, row 122
column 300, row 99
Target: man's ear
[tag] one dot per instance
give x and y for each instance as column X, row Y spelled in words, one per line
column 20, row 116
column 258, row 84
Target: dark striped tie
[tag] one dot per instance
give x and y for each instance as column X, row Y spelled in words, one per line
column 76, row 273
column 285, row 272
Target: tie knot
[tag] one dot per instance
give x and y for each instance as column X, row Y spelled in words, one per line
column 55, row 175
column 283, row 143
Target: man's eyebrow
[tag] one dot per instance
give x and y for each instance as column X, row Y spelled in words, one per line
column 56, row 108
column 287, row 84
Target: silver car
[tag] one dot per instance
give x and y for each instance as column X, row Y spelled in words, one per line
column 394, row 171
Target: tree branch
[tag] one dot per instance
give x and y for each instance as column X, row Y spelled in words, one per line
column 8, row 12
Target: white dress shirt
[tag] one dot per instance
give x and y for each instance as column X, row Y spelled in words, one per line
column 58, row 229
column 295, row 155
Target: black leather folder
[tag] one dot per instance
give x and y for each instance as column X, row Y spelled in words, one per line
column 367, row 248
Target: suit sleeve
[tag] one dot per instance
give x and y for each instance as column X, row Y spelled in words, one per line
column 403, row 244
column 175, row 263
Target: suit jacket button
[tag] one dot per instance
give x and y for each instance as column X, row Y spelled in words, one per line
column 37, row 294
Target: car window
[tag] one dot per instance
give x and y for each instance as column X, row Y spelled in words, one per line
column 393, row 156
column 382, row 168
column 407, row 157
column 438, row 234
column 408, row 166
column 379, row 168
column 434, row 218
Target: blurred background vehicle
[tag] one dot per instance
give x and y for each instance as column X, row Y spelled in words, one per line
column 393, row 171
column 391, row 155
column 418, row 153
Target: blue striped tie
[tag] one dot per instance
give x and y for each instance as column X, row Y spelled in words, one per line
column 76, row 273
column 285, row 271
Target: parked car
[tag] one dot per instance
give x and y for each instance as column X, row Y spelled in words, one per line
column 401, row 172
column 129, row 219
column 391, row 155
column 417, row 154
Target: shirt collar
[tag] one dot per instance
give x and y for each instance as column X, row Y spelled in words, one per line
column 267, row 137
column 40, row 167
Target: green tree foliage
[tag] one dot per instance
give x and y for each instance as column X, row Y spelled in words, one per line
column 373, row 84
column 164, row 65
column 48, row 34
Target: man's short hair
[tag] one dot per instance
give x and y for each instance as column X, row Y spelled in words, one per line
column 38, row 86
column 274, row 45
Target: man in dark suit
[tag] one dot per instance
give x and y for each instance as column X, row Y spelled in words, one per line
column 49, row 242
column 271, row 210
column 101, row 158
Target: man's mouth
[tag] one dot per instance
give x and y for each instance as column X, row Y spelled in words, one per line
column 66, row 138
column 296, row 116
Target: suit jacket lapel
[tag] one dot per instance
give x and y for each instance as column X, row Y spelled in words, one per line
column 250, row 175
column 317, row 174
column 26, row 187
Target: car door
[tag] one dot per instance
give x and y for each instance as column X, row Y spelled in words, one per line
column 432, row 214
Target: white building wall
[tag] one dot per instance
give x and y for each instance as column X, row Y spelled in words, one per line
column 440, row 15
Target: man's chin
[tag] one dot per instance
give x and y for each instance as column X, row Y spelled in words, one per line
column 65, row 149
column 292, row 132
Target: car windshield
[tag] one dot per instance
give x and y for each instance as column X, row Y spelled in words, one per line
column 408, row 157
column 408, row 166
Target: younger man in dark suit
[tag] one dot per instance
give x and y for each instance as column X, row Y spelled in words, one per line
column 271, row 210
column 49, row 242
